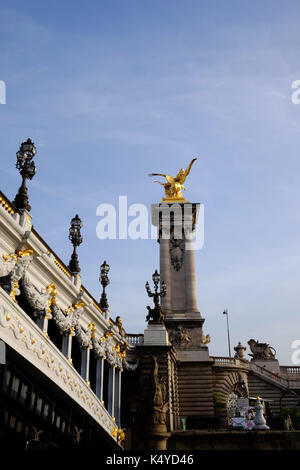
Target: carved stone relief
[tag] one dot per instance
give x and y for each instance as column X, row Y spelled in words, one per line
column 177, row 247
column 180, row 337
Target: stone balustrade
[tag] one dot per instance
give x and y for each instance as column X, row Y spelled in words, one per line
column 223, row 361
column 135, row 339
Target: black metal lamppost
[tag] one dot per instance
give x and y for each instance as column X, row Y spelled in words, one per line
column 156, row 295
column 156, row 315
column 104, row 270
column 76, row 239
column 27, row 169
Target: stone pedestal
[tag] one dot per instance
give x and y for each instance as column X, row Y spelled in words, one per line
column 158, row 393
column 156, row 335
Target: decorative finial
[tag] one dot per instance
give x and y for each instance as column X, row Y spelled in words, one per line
column 76, row 240
column 104, row 270
column 156, row 315
column 27, row 169
column 174, row 185
column 239, row 351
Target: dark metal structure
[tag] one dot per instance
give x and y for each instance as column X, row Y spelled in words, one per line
column 76, row 240
column 104, row 280
column 156, row 315
column 27, row 169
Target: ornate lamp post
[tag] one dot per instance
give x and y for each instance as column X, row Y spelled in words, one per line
column 156, row 315
column 76, row 239
column 104, row 270
column 27, row 169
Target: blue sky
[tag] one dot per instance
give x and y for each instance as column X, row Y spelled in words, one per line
column 112, row 90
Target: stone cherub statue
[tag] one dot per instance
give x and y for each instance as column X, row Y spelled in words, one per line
column 174, row 185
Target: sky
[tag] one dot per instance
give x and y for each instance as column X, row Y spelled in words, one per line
column 110, row 91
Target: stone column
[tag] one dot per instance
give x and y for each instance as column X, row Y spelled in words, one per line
column 165, row 275
column 85, row 364
column 117, row 413
column 176, row 224
column 66, row 348
column 111, row 390
column 2, row 352
column 99, row 378
column 190, row 280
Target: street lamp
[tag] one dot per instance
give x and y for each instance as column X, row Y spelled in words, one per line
column 76, row 240
column 27, row 170
column 104, row 279
column 156, row 315
column 228, row 335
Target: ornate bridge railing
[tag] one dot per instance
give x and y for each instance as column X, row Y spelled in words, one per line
column 23, row 335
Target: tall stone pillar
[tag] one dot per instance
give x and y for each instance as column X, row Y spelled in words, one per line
column 176, row 223
column 176, row 227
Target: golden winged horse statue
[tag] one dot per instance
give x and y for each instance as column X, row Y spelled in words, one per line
column 174, row 185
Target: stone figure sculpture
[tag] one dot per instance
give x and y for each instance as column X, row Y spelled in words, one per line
column 205, row 339
column 160, row 404
column 261, row 351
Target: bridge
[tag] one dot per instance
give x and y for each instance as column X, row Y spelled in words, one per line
column 53, row 329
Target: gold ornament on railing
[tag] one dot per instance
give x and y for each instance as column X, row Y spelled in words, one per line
column 15, row 291
column 121, row 349
column 52, row 290
column 121, row 435
column 115, row 430
column 74, row 307
column 22, row 253
column 93, row 328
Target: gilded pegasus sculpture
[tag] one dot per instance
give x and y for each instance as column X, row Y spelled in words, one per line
column 174, row 185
